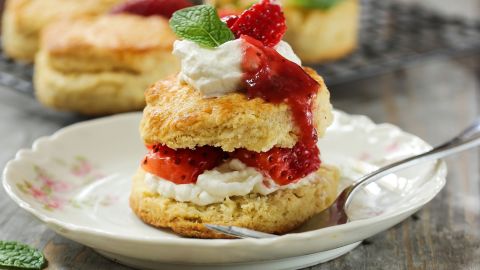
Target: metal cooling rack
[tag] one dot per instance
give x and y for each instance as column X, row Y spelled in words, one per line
column 392, row 35
column 16, row 75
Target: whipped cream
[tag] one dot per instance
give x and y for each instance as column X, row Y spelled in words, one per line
column 233, row 178
column 216, row 72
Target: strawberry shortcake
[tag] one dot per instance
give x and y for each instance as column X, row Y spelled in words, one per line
column 232, row 138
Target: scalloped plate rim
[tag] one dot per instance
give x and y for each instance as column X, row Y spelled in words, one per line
column 440, row 172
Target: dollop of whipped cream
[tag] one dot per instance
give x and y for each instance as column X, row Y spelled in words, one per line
column 232, row 178
column 216, row 72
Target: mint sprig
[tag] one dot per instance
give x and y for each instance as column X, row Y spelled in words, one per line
column 314, row 4
column 201, row 25
column 14, row 255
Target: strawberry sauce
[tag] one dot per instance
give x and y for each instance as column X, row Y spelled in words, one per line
column 270, row 76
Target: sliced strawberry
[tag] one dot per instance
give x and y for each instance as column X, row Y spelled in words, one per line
column 263, row 21
column 163, row 8
column 181, row 166
column 283, row 165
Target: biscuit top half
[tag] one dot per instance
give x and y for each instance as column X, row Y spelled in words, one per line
column 239, row 87
column 179, row 116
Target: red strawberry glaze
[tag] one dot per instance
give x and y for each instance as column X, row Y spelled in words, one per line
column 270, row 76
column 147, row 8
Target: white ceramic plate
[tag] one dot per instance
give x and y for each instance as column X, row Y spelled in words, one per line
column 77, row 182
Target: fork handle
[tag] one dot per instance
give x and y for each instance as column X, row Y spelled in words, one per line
column 469, row 138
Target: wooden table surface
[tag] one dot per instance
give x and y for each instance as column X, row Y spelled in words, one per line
column 434, row 99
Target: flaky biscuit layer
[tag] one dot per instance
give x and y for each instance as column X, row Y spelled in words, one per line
column 23, row 20
column 277, row 213
column 103, row 65
column 181, row 117
column 111, row 42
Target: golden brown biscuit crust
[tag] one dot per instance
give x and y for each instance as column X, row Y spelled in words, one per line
column 23, row 21
column 111, row 42
column 277, row 213
column 95, row 93
column 181, row 117
column 103, row 65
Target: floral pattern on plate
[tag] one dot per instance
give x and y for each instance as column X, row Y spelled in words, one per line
column 54, row 192
column 86, row 199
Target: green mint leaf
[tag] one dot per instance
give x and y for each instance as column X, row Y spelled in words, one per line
column 14, row 255
column 201, row 25
column 314, row 4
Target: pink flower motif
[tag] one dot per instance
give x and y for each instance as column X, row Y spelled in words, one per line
column 54, row 203
column 54, row 185
column 392, row 147
column 47, row 181
column 84, row 168
column 49, row 191
column 61, row 187
column 364, row 156
column 37, row 193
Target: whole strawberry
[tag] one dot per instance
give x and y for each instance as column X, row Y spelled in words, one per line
column 163, row 8
column 230, row 20
column 263, row 21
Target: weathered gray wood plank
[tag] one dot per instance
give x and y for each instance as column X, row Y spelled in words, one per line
column 434, row 100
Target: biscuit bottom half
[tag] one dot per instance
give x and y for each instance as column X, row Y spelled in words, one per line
column 277, row 213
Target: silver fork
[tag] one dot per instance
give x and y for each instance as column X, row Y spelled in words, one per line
column 336, row 213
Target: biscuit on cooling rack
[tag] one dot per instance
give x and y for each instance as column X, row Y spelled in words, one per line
column 23, row 20
column 103, row 65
